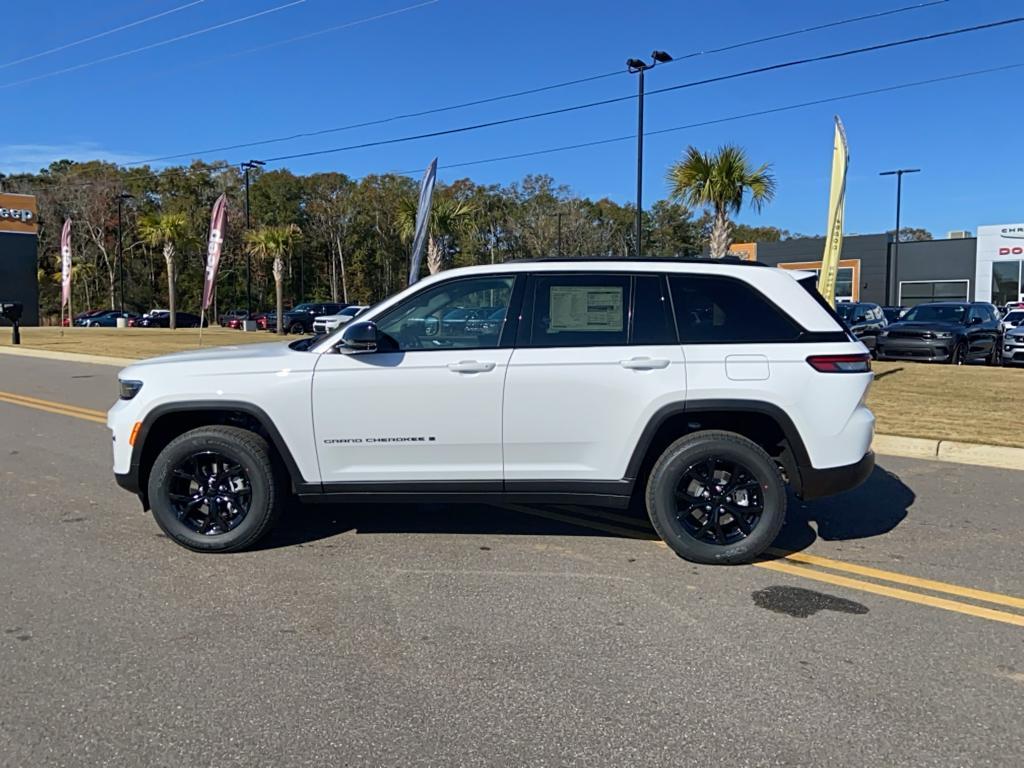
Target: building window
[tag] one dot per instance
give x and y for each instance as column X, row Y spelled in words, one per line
column 1006, row 282
column 914, row 292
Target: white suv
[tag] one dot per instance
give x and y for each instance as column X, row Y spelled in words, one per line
column 702, row 387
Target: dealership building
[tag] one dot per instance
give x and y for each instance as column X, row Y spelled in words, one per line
column 873, row 268
column 19, row 228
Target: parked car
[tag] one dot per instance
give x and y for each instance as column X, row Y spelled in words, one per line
column 865, row 321
column 1013, row 346
column 328, row 323
column 182, row 320
column 892, row 314
column 300, row 318
column 1011, row 320
column 81, row 317
column 109, row 319
column 234, row 314
column 950, row 332
column 265, row 320
column 578, row 399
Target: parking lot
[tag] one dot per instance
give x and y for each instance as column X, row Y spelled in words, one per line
column 892, row 632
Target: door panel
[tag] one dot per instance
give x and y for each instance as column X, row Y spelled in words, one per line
column 410, row 416
column 576, row 413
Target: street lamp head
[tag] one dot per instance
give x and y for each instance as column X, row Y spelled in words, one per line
column 636, row 65
column 661, row 57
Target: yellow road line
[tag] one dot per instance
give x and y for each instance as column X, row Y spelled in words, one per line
column 782, row 566
column 899, row 594
column 899, row 578
column 61, row 409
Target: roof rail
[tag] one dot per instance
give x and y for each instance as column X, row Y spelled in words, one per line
column 734, row 260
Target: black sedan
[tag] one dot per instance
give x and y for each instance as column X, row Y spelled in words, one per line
column 107, row 319
column 182, row 320
column 948, row 332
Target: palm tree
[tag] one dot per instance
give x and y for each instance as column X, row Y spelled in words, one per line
column 719, row 182
column 448, row 218
column 166, row 230
column 273, row 243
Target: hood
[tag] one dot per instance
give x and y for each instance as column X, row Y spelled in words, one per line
column 267, row 351
column 1016, row 333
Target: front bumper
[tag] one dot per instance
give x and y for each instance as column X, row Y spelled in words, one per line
column 934, row 350
column 816, row 483
column 1013, row 351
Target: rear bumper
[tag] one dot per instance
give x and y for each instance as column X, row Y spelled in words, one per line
column 816, row 483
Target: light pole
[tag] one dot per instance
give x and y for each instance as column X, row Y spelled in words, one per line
column 247, row 166
column 120, row 256
column 638, row 67
column 898, row 173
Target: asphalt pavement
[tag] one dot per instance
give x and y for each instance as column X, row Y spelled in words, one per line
column 429, row 635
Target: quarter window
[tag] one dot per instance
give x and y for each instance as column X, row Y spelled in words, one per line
column 722, row 310
column 457, row 314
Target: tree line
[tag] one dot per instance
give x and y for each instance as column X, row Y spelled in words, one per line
column 332, row 237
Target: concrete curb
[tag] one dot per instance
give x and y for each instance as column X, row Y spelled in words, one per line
column 1001, row 457
column 976, row 454
column 71, row 357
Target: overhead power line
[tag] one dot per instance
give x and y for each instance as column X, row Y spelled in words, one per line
column 98, row 35
column 731, row 118
column 706, row 81
column 528, row 91
column 151, row 46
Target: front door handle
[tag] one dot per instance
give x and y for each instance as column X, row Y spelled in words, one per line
column 644, row 363
column 471, row 366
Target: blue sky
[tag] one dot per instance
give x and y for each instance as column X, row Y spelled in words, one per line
column 206, row 90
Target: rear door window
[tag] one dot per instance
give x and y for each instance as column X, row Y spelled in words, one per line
column 721, row 310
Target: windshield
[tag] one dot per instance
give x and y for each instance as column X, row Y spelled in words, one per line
column 934, row 313
column 1015, row 318
column 846, row 311
column 302, row 308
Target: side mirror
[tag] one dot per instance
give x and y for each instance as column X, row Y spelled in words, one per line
column 358, row 338
column 974, row 321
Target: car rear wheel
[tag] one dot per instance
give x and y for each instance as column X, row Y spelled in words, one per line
column 716, row 497
column 214, row 489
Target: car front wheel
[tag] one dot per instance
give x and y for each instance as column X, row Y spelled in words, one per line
column 214, row 489
column 716, row 497
column 296, row 328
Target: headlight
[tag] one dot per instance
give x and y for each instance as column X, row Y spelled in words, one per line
column 943, row 335
column 129, row 389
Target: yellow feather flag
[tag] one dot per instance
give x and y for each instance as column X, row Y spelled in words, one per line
column 836, row 205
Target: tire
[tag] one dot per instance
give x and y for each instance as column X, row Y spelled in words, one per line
column 959, row 354
column 725, row 450
column 296, row 328
column 241, row 447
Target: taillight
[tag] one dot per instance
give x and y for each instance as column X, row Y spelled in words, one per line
column 840, row 363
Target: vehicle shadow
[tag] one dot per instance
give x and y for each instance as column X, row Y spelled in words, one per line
column 873, row 509
column 876, row 507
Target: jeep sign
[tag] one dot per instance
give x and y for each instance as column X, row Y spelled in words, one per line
column 18, row 213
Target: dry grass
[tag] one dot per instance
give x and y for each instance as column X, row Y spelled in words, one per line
column 134, row 343
column 971, row 403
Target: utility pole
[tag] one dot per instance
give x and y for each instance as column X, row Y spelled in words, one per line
column 246, row 167
column 638, row 67
column 898, row 173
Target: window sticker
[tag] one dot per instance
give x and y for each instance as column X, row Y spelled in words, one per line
column 585, row 308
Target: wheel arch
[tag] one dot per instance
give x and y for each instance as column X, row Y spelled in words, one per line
column 167, row 421
column 765, row 423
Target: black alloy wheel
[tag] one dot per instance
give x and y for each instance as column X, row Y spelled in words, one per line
column 719, row 501
column 210, row 493
column 959, row 355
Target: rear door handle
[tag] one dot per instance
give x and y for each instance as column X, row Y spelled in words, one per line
column 471, row 366
column 644, row 363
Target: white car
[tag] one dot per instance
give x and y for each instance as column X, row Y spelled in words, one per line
column 1011, row 320
column 328, row 323
column 702, row 386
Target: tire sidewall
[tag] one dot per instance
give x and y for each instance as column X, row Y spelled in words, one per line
column 260, row 477
column 669, row 470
